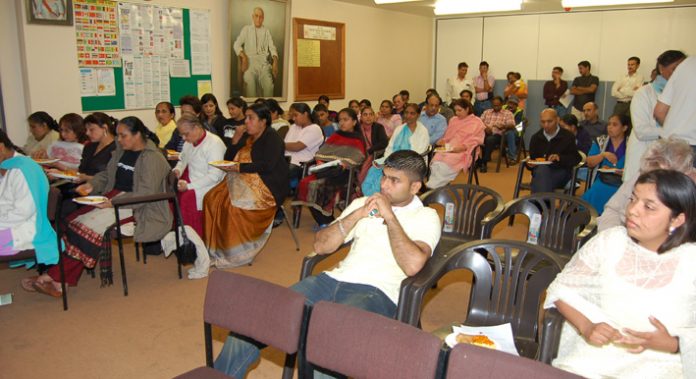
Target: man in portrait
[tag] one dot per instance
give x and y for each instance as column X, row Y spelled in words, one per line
column 258, row 57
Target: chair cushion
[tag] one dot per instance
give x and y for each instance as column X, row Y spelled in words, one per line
column 362, row 344
column 468, row 361
column 254, row 308
column 204, row 372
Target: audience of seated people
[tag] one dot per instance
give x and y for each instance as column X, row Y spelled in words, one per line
column 324, row 100
column 582, row 139
column 322, row 190
column 465, row 133
column 321, row 117
column 68, row 148
column 430, row 117
column 387, row 118
column 591, row 122
column 607, row 153
column 399, row 105
column 166, row 126
column 410, row 136
column 375, row 138
column 499, row 122
column 302, row 140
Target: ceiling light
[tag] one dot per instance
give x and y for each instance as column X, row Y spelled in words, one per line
column 393, row 1
column 599, row 3
column 445, row 7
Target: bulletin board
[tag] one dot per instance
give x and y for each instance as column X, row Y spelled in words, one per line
column 178, row 86
column 319, row 59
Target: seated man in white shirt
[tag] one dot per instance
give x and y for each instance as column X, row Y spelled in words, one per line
column 303, row 139
column 392, row 235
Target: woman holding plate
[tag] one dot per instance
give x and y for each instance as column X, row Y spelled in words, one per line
column 136, row 168
column 239, row 212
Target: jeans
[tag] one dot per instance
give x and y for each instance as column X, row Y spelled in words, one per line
column 237, row 355
column 546, row 178
column 511, row 142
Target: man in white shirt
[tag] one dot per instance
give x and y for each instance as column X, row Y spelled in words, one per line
column 392, row 235
column 675, row 108
column 254, row 46
column 624, row 88
column 459, row 83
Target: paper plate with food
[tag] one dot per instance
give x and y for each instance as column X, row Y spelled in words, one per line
column 46, row 160
column 496, row 337
column 539, row 161
column 443, row 149
column 480, row 340
column 90, row 200
column 610, row 170
column 67, row 175
column 222, row 163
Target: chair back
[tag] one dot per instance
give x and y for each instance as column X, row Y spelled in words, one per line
column 362, row 344
column 263, row 311
column 471, row 205
column 473, row 362
column 509, row 280
column 567, row 222
column 55, row 198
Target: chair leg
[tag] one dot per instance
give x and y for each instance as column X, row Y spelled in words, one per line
column 119, row 238
column 292, row 229
column 289, row 368
column 137, row 252
column 501, row 154
column 296, row 214
column 62, row 280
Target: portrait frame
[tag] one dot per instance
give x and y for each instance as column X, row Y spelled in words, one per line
column 41, row 12
column 260, row 70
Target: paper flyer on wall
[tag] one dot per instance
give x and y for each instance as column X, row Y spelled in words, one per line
column 200, row 42
column 96, row 33
column 179, row 68
column 88, row 82
column 106, row 82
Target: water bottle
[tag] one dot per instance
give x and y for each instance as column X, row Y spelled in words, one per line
column 534, row 225
column 449, row 218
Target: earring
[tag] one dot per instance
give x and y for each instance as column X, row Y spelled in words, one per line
column 671, row 230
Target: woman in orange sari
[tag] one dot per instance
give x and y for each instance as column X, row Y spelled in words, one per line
column 238, row 212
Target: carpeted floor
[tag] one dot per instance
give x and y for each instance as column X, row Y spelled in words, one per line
column 157, row 330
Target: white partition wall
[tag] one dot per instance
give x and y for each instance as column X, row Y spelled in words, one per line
column 511, row 44
column 458, row 40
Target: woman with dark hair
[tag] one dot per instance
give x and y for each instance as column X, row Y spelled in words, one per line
column 239, row 212
column 211, row 116
column 68, row 149
column 516, row 86
column 101, row 131
column 354, row 105
column 628, row 295
column 608, row 153
column 323, row 189
column 137, row 168
column 464, row 133
column 303, row 139
column 323, row 99
column 43, row 131
column 389, row 120
column 375, row 138
column 279, row 124
column 582, row 139
column 23, row 203
column 166, row 127
column 236, row 107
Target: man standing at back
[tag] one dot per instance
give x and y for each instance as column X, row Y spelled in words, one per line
column 483, row 85
column 624, row 88
column 392, row 236
column 254, row 46
column 459, row 83
column 584, row 88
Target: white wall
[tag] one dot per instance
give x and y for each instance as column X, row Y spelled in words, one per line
column 533, row 44
column 385, row 52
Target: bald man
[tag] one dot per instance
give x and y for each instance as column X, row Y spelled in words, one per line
column 258, row 57
column 556, row 145
column 591, row 123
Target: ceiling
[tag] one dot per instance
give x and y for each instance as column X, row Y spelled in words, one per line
column 425, row 7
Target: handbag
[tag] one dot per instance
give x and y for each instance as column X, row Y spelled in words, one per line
column 186, row 252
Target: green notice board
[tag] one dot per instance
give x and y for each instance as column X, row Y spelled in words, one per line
column 178, row 86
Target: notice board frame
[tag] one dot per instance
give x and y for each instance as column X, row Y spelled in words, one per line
column 330, row 77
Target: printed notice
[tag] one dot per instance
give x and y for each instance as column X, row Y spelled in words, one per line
column 308, row 53
column 200, row 42
column 179, row 68
column 88, row 82
column 106, row 82
column 204, row 86
column 320, row 32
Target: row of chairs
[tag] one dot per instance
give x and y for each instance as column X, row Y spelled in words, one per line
column 339, row 339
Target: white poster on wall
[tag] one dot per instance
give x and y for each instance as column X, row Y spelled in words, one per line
column 200, row 42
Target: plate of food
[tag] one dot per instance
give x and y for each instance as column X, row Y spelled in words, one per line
column 90, row 200
column 172, row 152
column 480, row 340
column 442, row 149
column 539, row 161
column 46, row 160
column 67, row 175
column 610, row 170
column 222, row 163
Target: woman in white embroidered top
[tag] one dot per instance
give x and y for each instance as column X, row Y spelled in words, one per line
column 629, row 295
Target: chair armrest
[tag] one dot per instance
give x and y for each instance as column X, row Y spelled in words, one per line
column 413, row 289
column 312, row 259
column 491, row 220
column 550, row 335
column 120, row 202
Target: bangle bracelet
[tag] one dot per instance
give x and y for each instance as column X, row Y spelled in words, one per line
column 340, row 227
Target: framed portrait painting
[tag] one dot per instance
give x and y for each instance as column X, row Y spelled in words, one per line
column 51, row 12
column 260, row 38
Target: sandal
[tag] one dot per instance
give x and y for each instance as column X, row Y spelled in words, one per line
column 28, row 283
column 47, row 288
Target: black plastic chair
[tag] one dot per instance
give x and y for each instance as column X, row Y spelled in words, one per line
column 551, row 327
column 473, row 205
column 510, row 278
column 473, row 174
column 256, row 310
column 168, row 195
column 55, row 199
column 527, row 186
column 567, row 222
column 521, row 149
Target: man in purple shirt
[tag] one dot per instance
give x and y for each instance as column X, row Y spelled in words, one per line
column 483, row 84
